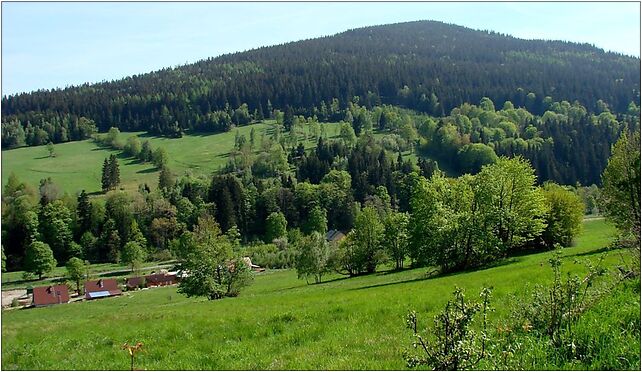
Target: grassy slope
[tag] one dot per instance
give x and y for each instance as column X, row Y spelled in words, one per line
column 277, row 323
column 78, row 165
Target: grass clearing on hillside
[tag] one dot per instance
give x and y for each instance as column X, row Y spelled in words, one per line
column 279, row 322
column 78, row 165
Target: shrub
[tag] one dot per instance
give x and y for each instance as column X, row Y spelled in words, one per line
column 564, row 217
column 554, row 309
column 162, row 255
column 455, row 345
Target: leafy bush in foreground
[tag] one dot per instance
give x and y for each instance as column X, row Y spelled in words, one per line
column 456, row 345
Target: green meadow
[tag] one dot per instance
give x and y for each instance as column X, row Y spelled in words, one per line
column 280, row 322
column 78, row 165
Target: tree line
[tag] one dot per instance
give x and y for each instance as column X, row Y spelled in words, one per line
column 450, row 223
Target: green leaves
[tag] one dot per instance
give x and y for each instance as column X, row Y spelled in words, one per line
column 207, row 259
column 455, row 345
column 473, row 220
column 39, row 259
column 621, row 178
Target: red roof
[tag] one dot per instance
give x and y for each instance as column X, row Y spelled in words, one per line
column 101, row 285
column 152, row 280
column 50, row 295
column 159, row 279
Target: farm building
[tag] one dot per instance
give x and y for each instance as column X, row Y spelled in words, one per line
column 334, row 236
column 152, row 280
column 50, row 295
column 101, row 288
column 157, row 280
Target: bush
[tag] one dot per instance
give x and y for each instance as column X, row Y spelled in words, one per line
column 564, row 218
column 455, row 345
column 554, row 310
column 162, row 255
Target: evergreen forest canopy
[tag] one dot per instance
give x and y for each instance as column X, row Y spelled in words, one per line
column 426, row 66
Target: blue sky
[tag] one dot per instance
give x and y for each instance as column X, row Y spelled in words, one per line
column 47, row 45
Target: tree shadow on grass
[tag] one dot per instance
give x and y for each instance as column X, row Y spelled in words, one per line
column 591, row 253
column 429, row 275
column 116, row 273
column 135, row 161
column 148, row 170
column 393, row 271
column 19, row 282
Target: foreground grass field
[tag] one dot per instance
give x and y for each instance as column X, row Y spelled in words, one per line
column 78, row 165
column 280, row 322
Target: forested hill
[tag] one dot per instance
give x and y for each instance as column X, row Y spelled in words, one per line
column 427, row 66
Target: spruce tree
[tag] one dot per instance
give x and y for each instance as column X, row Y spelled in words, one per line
column 84, row 213
column 114, row 172
column 288, row 119
column 106, row 177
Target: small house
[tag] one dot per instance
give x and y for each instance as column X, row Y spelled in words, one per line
column 161, row 279
column 334, row 236
column 101, row 288
column 50, row 295
column 152, row 280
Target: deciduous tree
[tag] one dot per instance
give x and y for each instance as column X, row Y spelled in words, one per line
column 133, row 255
column 621, row 179
column 39, row 259
column 77, row 270
column 313, row 257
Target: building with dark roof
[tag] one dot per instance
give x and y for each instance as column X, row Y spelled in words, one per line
column 101, row 288
column 152, row 280
column 157, row 280
column 50, row 295
column 334, row 236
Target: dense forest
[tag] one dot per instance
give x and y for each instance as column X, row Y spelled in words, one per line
column 427, row 66
column 273, row 192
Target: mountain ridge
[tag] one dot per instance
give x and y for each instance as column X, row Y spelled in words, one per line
column 401, row 64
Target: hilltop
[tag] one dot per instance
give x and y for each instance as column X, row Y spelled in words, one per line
column 425, row 65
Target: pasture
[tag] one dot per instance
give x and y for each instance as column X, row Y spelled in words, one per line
column 280, row 322
column 78, row 165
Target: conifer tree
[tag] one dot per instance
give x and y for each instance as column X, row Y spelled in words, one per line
column 106, row 177
column 114, row 172
column 84, row 213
